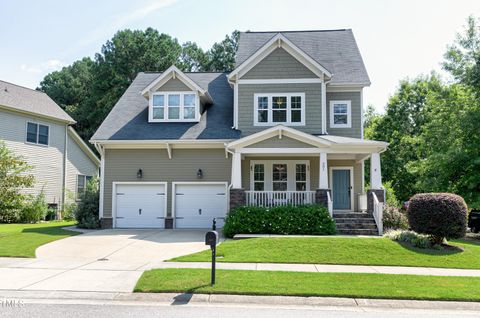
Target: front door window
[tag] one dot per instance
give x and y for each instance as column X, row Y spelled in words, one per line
column 280, row 177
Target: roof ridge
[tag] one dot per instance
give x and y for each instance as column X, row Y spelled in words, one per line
column 297, row 31
column 24, row 87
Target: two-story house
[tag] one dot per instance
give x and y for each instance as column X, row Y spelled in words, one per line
column 34, row 127
column 284, row 127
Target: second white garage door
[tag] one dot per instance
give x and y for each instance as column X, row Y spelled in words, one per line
column 196, row 204
column 140, row 205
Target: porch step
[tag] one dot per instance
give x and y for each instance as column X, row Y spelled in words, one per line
column 355, row 223
column 357, row 232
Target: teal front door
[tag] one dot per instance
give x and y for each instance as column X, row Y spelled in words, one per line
column 341, row 189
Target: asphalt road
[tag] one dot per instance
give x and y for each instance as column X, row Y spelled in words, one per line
column 32, row 310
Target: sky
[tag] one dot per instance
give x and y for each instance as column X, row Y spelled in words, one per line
column 397, row 38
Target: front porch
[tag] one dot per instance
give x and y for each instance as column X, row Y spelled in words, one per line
column 283, row 166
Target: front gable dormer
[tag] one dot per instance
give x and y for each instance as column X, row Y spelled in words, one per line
column 174, row 97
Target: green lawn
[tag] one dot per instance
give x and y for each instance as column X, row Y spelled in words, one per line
column 21, row 240
column 339, row 250
column 311, row 284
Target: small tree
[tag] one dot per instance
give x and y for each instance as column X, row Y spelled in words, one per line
column 440, row 215
column 87, row 214
column 13, row 177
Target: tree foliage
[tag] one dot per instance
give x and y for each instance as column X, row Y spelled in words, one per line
column 13, row 177
column 88, row 89
column 433, row 127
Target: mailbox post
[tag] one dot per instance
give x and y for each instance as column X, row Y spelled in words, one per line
column 211, row 238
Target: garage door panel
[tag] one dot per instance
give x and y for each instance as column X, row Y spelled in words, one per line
column 140, row 206
column 197, row 204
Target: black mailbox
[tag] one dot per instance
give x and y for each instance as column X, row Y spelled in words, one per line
column 211, row 238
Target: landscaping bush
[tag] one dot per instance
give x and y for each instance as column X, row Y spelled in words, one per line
column 287, row 220
column 86, row 212
column 439, row 215
column 34, row 210
column 394, row 219
column 410, row 237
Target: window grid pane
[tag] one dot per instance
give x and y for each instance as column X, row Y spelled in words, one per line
column 340, row 119
column 279, row 102
column 43, row 134
column 158, row 112
column 189, row 100
column 174, row 100
column 173, row 112
column 32, row 132
column 296, row 102
column 158, row 100
column 189, row 112
column 280, row 178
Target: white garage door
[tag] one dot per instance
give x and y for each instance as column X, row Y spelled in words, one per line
column 140, row 205
column 197, row 204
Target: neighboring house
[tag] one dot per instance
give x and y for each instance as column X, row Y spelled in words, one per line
column 33, row 126
column 284, row 127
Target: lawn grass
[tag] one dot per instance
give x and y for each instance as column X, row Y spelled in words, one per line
column 311, row 284
column 21, row 240
column 340, row 250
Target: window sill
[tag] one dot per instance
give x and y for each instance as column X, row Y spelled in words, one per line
column 276, row 124
column 35, row 144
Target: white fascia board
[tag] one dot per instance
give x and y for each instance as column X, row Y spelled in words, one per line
column 162, row 144
column 278, row 41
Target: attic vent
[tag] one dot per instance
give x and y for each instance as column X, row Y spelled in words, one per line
column 6, row 89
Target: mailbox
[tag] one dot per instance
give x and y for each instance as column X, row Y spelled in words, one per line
column 211, row 238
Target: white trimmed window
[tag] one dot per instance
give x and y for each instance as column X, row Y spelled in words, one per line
column 174, row 107
column 37, row 133
column 340, row 114
column 279, row 108
column 280, row 175
column 82, row 181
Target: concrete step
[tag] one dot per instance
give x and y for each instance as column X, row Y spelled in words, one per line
column 349, row 226
column 357, row 232
column 355, row 215
column 355, row 220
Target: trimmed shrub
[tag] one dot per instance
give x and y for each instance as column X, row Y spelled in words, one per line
column 410, row 237
column 34, row 210
column 286, row 220
column 394, row 219
column 439, row 215
column 86, row 212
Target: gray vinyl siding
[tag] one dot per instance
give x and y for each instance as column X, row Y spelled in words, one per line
column 313, row 105
column 284, row 142
column 47, row 162
column 279, row 64
column 174, row 85
column 123, row 164
column 314, row 172
column 356, row 130
column 78, row 163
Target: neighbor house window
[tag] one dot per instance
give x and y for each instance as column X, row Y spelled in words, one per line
column 37, row 133
column 82, row 181
column 340, row 114
column 174, row 106
column 279, row 108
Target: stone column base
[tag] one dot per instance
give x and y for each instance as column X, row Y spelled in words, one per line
column 106, row 223
column 380, row 195
column 169, row 223
column 238, row 198
column 321, row 196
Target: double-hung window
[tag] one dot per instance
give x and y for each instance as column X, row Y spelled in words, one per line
column 340, row 114
column 82, row 181
column 174, row 106
column 37, row 133
column 279, row 108
column 280, row 175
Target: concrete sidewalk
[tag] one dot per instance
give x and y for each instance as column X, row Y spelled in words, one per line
column 321, row 268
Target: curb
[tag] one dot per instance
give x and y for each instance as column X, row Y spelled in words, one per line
column 56, row 297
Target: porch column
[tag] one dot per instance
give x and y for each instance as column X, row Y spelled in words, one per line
column 375, row 181
column 321, row 195
column 237, row 194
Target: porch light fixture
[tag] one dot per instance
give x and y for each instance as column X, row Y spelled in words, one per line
column 199, row 174
column 139, row 174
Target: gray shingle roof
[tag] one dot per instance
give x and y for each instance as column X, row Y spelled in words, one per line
column 128, row 119
column 336, row 50
column 28, row 100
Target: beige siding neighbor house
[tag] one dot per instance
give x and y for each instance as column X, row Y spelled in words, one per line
column 285, row 127
column 34, row 127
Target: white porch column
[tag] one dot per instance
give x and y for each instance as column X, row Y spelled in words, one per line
column 323, row 172
column 236, row 170
column 375, row 172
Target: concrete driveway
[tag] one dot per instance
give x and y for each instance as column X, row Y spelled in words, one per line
column 98, row 261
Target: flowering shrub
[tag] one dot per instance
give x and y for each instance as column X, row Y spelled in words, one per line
column 394, row 219
column 287, row 220
column 410, row 237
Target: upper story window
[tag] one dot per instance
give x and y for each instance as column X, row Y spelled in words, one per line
column 37, row 133
column 174, row 106
column 340, row 114
column 279, row 108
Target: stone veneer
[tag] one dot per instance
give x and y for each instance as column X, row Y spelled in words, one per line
column 106, row 223
column 238, row 197
column 321, row 196
column 380, row 195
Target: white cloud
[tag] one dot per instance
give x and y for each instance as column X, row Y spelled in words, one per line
column 45, row 67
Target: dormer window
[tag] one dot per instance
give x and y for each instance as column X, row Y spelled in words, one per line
column 174, row 107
